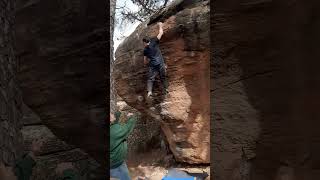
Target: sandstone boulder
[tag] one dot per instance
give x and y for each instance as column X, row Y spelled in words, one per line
column 62, row 65
column 264, row 88
column 185, row 111
column 55, row 151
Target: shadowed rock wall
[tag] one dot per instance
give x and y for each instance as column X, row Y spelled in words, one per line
column 264, row 89
column 62, row 56
column 55, row 151
column 10, row 94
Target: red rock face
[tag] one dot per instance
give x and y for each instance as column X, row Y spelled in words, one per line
column 265, row 84
column 185, row 111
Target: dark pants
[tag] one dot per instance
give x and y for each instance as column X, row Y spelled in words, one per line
column 153, row 72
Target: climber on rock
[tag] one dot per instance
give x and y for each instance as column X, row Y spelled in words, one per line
column 118, row 145
column 153, row 57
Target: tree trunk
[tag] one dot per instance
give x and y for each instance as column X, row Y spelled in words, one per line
column 112, row 88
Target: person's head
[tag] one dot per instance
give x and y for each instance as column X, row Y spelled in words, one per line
column 146, row 41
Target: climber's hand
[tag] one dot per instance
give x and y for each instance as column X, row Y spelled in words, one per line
column 64, row 166
column 130, row 114
column 160, row 24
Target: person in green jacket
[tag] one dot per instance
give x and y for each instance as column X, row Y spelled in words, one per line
column 118, row 145
column 24, row 166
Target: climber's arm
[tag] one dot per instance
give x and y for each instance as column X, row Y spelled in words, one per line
column 160, row 30
column 127, row 128
column 130, row 125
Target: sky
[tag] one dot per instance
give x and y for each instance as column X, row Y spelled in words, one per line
column 128, row 28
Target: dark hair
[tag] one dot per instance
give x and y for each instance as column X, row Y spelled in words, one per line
column 146, row 39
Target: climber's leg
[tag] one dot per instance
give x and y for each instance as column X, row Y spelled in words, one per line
column 120, row 172
column 162, row 73
column 151, row 78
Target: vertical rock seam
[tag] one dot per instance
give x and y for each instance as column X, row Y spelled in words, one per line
column 112, row 88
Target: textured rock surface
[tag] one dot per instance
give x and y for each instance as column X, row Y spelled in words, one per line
column 10, row 95
column 62, row 53
column 113, row 93
column 185, row 112
column 146, row 136
column 264, row 89
column 54, row 151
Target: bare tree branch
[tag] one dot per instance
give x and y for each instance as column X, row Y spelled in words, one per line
column 165, row 3
column 144, row 5
column 145, row 9
column 131, row 16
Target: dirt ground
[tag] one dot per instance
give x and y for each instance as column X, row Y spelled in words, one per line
column 154, row 165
